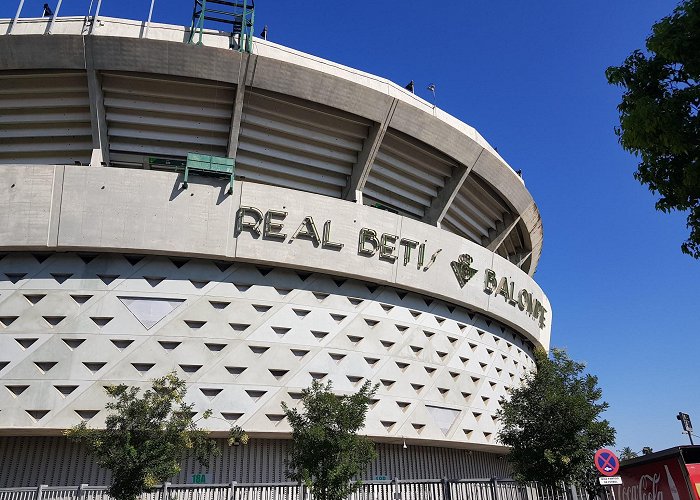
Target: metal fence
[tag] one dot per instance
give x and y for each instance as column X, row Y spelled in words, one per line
column 474, row 489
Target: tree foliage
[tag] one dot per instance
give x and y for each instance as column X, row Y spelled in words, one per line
column 659, row 119
column 146, row 436
column 326, row 452
column 552, row 423
column 627, row 453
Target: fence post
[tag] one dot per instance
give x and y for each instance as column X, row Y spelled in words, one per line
column 40, row 491
column 494, row 488
column 446, row 493
column 166, row 485
column 79, row 493
column 232, row 487
column 395, row 494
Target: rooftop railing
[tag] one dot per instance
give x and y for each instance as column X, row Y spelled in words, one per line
column 92, row 13
column 72, row 17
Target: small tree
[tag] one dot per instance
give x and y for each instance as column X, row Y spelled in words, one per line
column 660, row 114
column 326, row 452
column 627, row 453
column 552, row 423
column 146, row 436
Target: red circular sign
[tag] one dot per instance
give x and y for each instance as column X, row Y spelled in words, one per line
column 606, row 462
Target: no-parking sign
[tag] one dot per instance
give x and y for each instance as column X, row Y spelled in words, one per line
column 606, row 462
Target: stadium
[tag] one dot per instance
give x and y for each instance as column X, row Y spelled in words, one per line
column 254, row 218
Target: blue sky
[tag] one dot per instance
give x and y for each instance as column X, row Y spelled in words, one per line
column 530, row 77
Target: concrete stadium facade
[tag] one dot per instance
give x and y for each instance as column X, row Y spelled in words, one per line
column 111, row 272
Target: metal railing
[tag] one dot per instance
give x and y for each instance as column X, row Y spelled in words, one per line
column 56, row 10
column 436, row 489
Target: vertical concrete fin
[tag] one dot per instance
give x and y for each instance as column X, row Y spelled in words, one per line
column 499, row 237
column 98, row 117
column 249, row 60
column 441, row 203
column 365, row 159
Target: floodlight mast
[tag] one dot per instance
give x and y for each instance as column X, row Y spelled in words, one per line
column 238, row 16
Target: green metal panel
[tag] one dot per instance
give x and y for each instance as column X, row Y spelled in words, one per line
column 217, row 165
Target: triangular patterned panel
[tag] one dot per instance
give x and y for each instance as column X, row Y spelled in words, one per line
column 61, row 277
column 34, row 298
column 37, row 414
column 65, row 390
column 148, row 310
column 443, row 417
column 133, row 259
column 16, row 390
column 7, row 320
column 15, row 277
column 86, row 415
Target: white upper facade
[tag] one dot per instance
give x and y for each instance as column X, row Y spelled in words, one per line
column 114, row 93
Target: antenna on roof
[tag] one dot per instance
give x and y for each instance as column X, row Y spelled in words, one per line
column 236, row 16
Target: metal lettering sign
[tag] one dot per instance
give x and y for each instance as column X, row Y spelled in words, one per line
column 199, row 479
column 462, row 269
column 273, row 225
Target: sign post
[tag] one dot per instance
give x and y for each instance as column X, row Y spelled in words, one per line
column 608, row 465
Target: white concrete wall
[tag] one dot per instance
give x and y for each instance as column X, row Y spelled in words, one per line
column 78, row 312
column 245, row 338
column 136, row 211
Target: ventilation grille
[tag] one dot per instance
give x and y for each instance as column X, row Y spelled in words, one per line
column 163, row 116
column 45, row 118
column 298, row 144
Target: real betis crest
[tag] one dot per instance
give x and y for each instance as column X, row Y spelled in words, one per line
column 462, row 269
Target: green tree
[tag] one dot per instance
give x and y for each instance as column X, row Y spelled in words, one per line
column 145, row 437
column 659, row 120
column 627, row 453
column 326, row 452
column 552, row 423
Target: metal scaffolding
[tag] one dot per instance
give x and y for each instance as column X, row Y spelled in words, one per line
column 237, row 17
